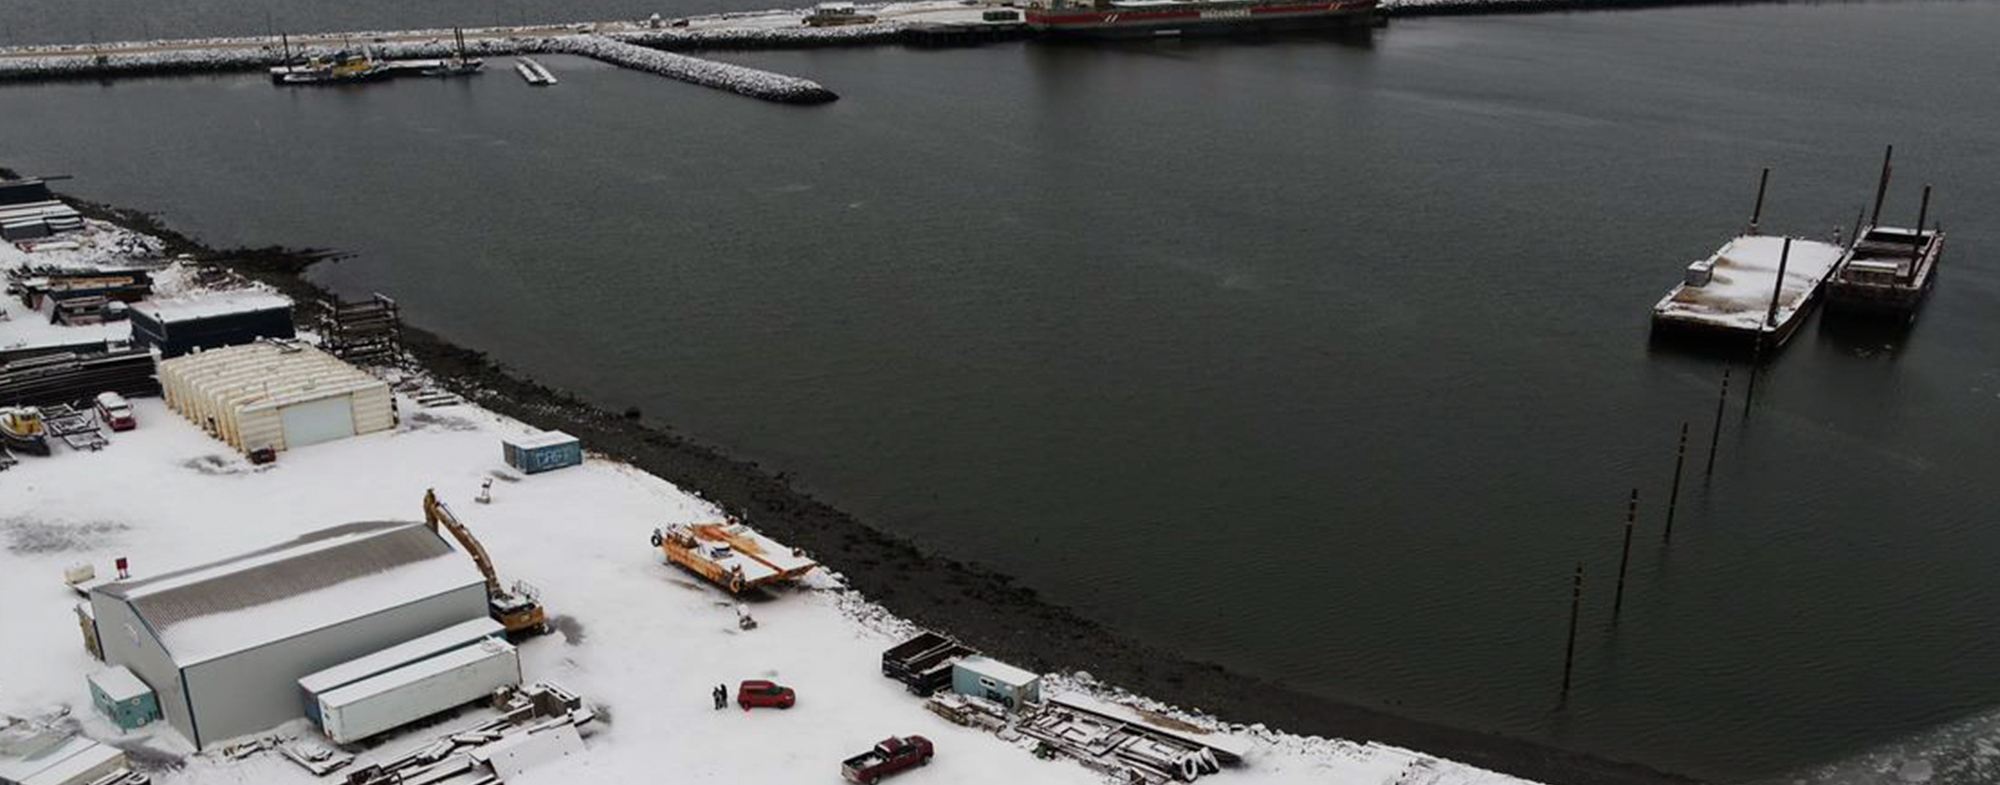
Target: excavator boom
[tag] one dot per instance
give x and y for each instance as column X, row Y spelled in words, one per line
column 518, row 612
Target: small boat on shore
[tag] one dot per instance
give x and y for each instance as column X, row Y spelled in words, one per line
column 1888, row 271
column 534, row 72
column 22, row 431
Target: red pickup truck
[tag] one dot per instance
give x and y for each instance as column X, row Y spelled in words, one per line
column 890, row 755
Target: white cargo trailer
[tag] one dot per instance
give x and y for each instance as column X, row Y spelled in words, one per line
column 411, row 651
column 418, row 690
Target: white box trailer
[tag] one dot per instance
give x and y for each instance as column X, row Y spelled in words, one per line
column 418, row 690
column 411, row 651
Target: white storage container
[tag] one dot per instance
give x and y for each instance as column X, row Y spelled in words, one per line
column 418, row 690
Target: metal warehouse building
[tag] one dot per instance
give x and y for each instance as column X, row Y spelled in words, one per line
column 223, row 645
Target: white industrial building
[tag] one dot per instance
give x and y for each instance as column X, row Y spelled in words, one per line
column 276, row 394
column 224, row 645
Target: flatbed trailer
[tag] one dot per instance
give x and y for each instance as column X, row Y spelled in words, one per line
column 731, row 555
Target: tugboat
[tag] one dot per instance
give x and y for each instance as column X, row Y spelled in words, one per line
column 1888, row 271
column 457, row 64
column 21, row 430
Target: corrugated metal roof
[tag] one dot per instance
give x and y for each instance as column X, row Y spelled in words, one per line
column 312, row 562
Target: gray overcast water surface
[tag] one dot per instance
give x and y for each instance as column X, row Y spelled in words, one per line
column 1321, row 359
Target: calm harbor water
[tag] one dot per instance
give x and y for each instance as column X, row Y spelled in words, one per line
column 1322, row 359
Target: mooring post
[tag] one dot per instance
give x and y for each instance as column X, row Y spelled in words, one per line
column 1758, row 212
column 1917, row 238
column 1674, row 496
column 1625, row 559
column 1882, row 187
column 1778, row 289
column 1715, row 436
column 1575, row 608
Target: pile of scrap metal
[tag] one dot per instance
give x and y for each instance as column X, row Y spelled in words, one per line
column 77, row 428
column 970, row 711
column 70, row 377
column 1113, row 740
column 538, row 724
column 34, row 285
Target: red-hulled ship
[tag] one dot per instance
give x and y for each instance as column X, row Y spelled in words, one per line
column 1147, row 18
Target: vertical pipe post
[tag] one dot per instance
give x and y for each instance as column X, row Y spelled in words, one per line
column 1625, row 559
column 1882, row 188
column 1859, row 214
column 1778, row 289
column 1758, row 212
column 1715, row 436
column 1575, row 609
column 1674, row 496
column 1917, row 239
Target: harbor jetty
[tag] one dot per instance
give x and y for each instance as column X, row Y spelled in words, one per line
column 739, row 79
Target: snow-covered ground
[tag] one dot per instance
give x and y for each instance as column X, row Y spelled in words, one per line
column 642, row 640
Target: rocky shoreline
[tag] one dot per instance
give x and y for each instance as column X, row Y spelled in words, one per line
column 985, row 608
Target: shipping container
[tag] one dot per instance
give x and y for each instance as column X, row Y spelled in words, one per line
column 988, row 678
column 542, row 451
column 121, row 696
column 418, row 690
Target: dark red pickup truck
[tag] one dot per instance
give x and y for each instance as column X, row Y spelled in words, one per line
column 891, row 755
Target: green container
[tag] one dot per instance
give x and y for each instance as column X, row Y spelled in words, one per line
column 123, row 697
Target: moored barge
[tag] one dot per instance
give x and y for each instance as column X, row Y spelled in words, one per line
column 1158, row 18
column 1888, row 271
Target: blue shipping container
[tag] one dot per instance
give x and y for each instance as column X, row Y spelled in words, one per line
column 542, row 452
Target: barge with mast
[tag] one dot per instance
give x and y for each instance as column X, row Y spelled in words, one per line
column 1888, row 271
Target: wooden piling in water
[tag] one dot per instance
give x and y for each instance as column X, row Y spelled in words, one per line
column 1715, row 436
column 1625, row 559
column 1778, row 288
column 1575, row 610
column 1917, row 237
column 1758, row 212
column 1882, row 187
column 1674, row 495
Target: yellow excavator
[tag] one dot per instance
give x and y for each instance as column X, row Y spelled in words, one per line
column 519, row 610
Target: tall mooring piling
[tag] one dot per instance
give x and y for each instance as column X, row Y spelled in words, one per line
column 1625, row 556
column 1674, row 495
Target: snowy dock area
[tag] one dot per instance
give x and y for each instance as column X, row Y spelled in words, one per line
column 1731, row 290
column 642, row 640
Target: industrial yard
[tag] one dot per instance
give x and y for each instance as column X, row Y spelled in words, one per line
column 257, row 550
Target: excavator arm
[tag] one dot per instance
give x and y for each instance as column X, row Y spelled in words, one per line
column 439, row 516
column 519, row 611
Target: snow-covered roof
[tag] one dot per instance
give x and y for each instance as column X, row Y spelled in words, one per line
column 415, row 672
column 455, row 636
column 320, row 579
column 119, row 684
column 543, row 439
column 181, row 309
column 56, row 761
column 998, row 671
